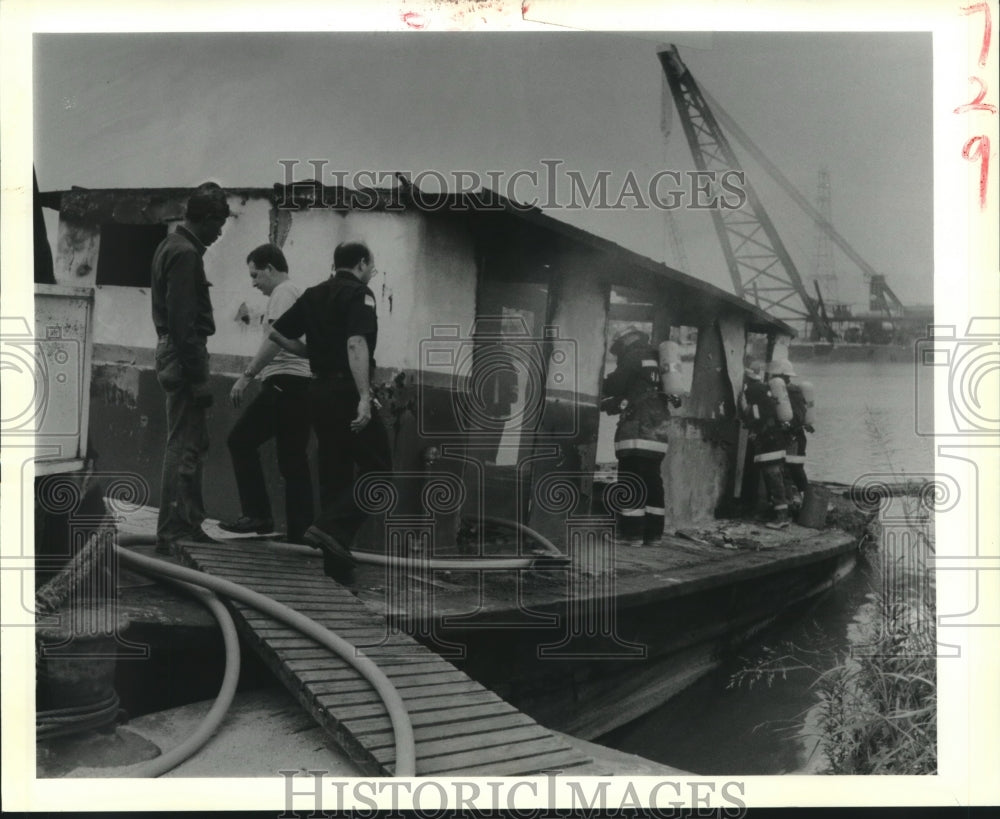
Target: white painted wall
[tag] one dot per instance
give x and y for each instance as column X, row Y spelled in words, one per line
column 580, row 317
column 309, row 245
column 426, row 264
column 77, row 249
column 122, row 314
column 443, row 286
column 226, row 269
column 393, row 238
column 426, row 271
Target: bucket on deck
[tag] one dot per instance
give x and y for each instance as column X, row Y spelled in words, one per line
column 814, row 506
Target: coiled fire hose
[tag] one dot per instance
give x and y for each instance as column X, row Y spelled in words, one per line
column 196, row 583
column 213, row 719
column 398, row 715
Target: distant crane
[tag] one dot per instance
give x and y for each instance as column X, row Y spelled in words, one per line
column 759, row 264
column 825, row 276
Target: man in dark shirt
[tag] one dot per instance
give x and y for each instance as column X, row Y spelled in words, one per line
column 182, row 316
column 338, row 320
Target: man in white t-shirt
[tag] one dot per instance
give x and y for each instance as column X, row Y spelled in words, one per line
column 280, row 411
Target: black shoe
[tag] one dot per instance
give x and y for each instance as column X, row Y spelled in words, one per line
column 247, row 525
column 338, row 571
column 166, row 548
column 338, row 562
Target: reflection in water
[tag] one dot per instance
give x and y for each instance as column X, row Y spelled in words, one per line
column 711, row 728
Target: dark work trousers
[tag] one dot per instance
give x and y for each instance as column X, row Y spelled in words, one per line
column 795, row 460
column 750, row 488
column 344, row 456
column 774, row 482
column 644, row 517
column 182, row 508
column 769, row 463
column 280, row 411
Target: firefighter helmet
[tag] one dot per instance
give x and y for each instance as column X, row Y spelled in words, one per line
column 627, row 337
column 781, row 366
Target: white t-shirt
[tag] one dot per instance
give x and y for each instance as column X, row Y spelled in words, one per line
column 284, row 363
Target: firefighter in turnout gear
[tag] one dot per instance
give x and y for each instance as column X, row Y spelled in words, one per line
column 632, row 391
column 795, row 451
column 768, row 438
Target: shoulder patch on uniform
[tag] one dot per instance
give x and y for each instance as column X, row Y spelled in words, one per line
column 369, row 300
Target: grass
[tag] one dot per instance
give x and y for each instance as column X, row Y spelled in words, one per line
column 877, row 700
column 876, row 710
column 878, row 707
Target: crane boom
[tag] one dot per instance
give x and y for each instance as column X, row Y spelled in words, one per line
column 744, row 139
column 758, row 262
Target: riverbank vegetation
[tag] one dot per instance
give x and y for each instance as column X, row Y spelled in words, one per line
column 876, row 710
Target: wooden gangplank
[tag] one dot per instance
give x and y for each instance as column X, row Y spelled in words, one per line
column 460, row 727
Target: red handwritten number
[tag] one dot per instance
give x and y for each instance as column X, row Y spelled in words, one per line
column 979, row 148
column 977, row 104
column 987, row 28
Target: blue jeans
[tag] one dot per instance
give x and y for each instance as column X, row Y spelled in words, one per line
column 182, row 509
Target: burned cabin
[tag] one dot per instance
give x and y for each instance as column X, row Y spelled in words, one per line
column 495, row 322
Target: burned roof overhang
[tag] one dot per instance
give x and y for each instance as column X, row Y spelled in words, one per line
column 698, row 300
column 129, row 206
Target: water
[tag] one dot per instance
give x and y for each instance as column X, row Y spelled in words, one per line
column 713, row 729
column 866, row 420
column 865, row 424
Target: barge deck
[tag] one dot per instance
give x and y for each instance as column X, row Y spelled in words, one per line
column 588, row 646
column 459, row 726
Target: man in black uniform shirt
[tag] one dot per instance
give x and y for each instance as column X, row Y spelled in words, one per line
column 339, row 323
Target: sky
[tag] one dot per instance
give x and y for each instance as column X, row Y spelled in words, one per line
column 175, row 109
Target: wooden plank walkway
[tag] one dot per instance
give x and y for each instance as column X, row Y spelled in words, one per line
column 460, row 727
